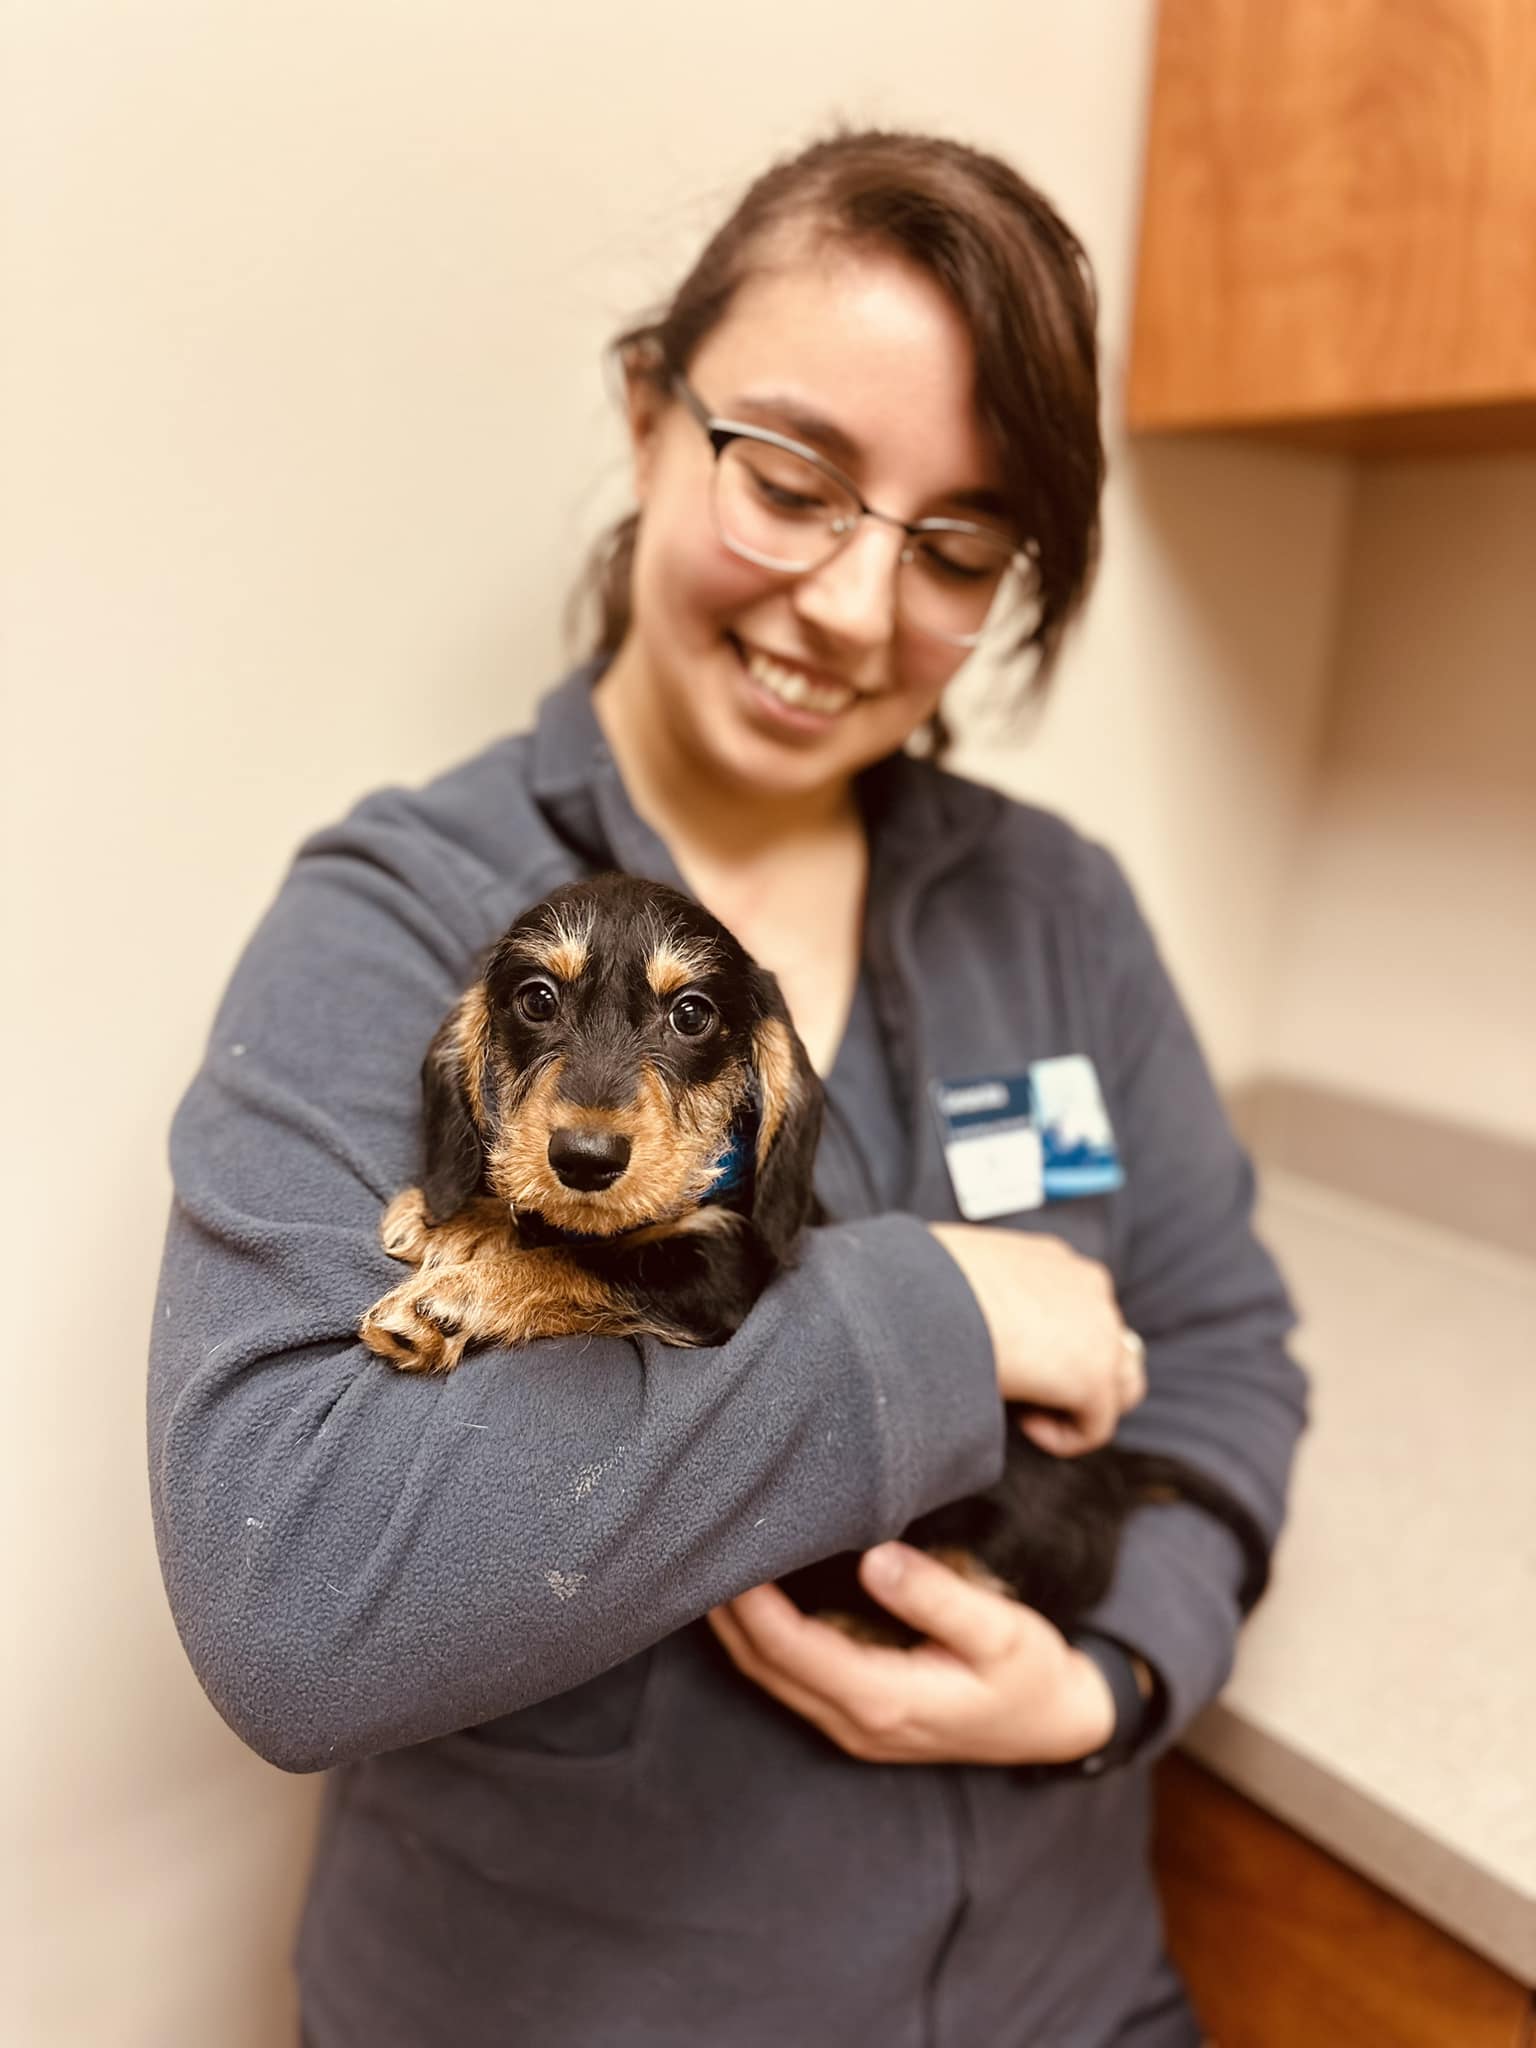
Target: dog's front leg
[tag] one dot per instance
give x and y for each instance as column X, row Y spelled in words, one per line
column 499, row 1295
column 454, row 1297
column 425, row 1323
column 407, row 1233
column 404, row 1231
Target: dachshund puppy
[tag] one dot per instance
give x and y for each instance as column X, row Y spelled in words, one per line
column 621, row 1125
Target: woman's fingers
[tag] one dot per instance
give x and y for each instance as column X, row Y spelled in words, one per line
column 1133, row 1370
column 1066, row 1436
column 1122, row 1386
column 994, row 1681
column 813, row 1668
column 980, row 1627
column 1059, row 1342
column 807, row 1649
column 745, row 1657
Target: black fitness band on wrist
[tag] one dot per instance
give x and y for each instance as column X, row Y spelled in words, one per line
column 1134, row 1711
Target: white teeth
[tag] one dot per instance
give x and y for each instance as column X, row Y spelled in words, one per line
column 791, row 687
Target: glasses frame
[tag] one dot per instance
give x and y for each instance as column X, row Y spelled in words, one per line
column 722, row 432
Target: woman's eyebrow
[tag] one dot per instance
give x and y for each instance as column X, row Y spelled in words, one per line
column 792, row 416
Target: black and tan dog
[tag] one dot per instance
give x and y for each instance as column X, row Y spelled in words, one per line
column 620, row 1130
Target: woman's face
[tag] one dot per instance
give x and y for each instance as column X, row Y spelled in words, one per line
column 869, row 346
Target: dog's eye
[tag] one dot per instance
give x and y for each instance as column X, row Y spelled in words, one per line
column 537, row 1001
column 691, row 1016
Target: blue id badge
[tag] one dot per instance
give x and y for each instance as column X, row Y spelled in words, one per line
column 1015, row 1141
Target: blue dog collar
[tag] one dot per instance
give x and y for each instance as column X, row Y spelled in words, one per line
column 731, row 1169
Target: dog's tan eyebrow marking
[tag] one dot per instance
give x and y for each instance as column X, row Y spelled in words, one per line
column 564, row 948
column 672, row 963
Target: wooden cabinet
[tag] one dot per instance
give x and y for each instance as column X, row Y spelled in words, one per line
column 1338, row 241
column 1283, row 1947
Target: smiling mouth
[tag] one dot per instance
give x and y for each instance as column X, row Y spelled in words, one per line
column 790, row 687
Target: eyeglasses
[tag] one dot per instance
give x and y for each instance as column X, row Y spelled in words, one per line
column 778, row 504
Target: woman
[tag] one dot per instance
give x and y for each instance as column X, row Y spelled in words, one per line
column 595, row 1781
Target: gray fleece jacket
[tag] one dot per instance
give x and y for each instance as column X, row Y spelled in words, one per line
column 556, row 1815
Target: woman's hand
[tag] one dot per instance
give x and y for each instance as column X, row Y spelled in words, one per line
column 995, row 1683
column 1056, row 1332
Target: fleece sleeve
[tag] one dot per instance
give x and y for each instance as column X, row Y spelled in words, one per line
column 359, row 1559
column 1223, row 1393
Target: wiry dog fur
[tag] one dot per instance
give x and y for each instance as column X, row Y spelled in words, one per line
column 580, row 1099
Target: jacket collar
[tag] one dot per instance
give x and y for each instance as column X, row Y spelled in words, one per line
column 919, row 819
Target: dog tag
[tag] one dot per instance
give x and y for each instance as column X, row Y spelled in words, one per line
column 991, row 1145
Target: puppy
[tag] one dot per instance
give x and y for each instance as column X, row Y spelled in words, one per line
column 620, row 1130
column 620, row 1126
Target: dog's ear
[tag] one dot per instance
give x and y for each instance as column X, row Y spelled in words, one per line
column 453, row 1079
column 788, row 1124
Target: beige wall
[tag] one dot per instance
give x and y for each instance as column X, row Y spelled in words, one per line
column 1184, row 726
column 304, row 427
column 1405, row 965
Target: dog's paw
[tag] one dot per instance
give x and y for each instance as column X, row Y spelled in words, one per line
column 404, row 1229
column 425, row 1324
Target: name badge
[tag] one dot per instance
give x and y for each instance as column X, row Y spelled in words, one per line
column 1015, row 1141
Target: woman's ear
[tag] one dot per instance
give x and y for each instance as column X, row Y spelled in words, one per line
column 452, row 1085
column 789, row 1124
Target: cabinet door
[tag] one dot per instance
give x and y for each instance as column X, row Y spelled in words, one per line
column 1280, row 1944
column 1339, row 223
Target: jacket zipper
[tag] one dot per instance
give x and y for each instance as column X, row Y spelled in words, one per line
column 952, row 1798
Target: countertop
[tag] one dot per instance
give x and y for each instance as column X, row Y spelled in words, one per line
column 1384, row 1698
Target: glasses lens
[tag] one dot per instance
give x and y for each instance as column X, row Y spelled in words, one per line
column 963, row 585
column 960, row 583
column 778, row 509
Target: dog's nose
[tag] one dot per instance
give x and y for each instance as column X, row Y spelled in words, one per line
column 588, row 1160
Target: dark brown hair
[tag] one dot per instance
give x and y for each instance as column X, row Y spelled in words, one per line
column 1017, row 275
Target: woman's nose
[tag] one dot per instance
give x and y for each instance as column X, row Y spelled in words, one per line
column 852, row 598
